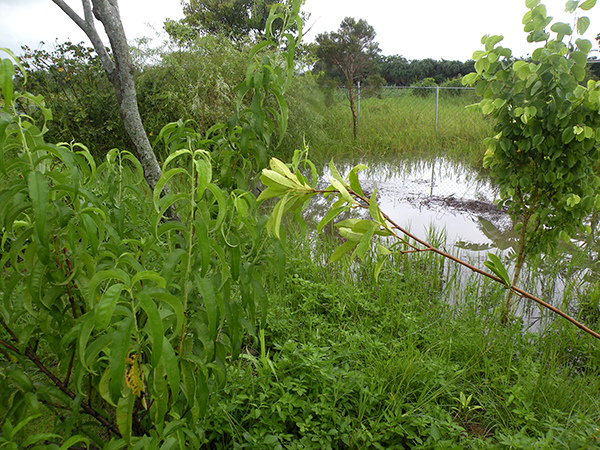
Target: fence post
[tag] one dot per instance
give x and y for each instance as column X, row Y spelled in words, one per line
column 358, row 104
column 437, row 99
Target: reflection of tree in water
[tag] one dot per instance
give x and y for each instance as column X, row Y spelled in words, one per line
column 502, row 239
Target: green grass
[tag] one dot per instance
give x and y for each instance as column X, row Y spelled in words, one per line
column 352, row 363
column 404, row 125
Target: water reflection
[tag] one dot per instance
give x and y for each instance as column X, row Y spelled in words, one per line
column 445, row 195
column 458, row 202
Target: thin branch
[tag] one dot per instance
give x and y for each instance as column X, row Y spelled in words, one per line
column 32, row 356
column 512, row 288
column 89, row 28
column 515, row 289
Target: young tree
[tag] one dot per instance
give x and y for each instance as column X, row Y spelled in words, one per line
column 353, row 51
column 546, row 149
column 119, row 69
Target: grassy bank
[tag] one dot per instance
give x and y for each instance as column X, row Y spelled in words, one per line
column 348, row 362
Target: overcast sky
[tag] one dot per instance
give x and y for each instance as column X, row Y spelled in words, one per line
column 438, row 29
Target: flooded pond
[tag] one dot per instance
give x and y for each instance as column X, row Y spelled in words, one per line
column 457, row 204
column 445, row 196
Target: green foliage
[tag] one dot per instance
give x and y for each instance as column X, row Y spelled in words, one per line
column 82, row 100
column 425, row 87
column 348, row 54
column 545, row 151
column 355, row 363
column 112, row 315
column 196, row 84
column 453, row 83
column 351, row 50
column 397, row 70
column 236, row 20
column 396, row 123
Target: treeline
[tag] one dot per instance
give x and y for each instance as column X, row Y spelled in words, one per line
column 397, row 70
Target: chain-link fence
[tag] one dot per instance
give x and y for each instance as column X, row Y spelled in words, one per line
column 436, row 121
column 442, row 110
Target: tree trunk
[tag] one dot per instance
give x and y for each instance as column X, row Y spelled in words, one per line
column 353, row 109
column 120, row 73
column 521, row 253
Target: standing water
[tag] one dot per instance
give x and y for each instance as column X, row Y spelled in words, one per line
column 459, row 203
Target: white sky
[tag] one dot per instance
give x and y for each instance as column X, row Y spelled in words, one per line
column 438, row 29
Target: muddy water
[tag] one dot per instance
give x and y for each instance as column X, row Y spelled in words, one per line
column 439, row 195
column 458, row 204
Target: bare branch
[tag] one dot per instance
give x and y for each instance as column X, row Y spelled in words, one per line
column 89, row 28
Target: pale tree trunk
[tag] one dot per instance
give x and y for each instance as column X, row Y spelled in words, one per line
column 119, row 72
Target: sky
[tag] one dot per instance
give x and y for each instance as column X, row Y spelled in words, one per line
column 438, row 29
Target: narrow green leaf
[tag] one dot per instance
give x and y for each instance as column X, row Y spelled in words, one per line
column 365, row 244
column 374, row 208
column 338, row 186
column 7, row 71
column 334, row 172
column 148, row 275
column 106, row 306
column 105, row 275
column 39, row 194
column 342, row 250
column 170, row 363
column 40, row 436
column 22, row 424
column 378, row 267
column 274, row 223
column 206, row 289
column 173, row 301
column 118, row 352
column 353, row 179
column 125, row 415
column 331, row 214
column 276, row 180
column 156, row 327
column 74, row 440
column 87, row 325
column 202, row 244
column 174, row 155
column 103, row 387
column 495, row 265
column 162, row 182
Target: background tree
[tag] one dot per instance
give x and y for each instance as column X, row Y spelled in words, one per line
column 397, row 70
column 235, row 19
column 352, row 51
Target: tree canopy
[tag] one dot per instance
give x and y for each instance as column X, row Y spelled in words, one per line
column 235, row 19
column 352, row 49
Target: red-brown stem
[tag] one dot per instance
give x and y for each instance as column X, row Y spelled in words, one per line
column 515, row 289
column 69, row 369
column 31, row 355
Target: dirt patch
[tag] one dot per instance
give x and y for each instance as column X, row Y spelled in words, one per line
column 477, row 207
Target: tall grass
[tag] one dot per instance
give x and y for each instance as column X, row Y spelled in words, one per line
column 403, row 124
